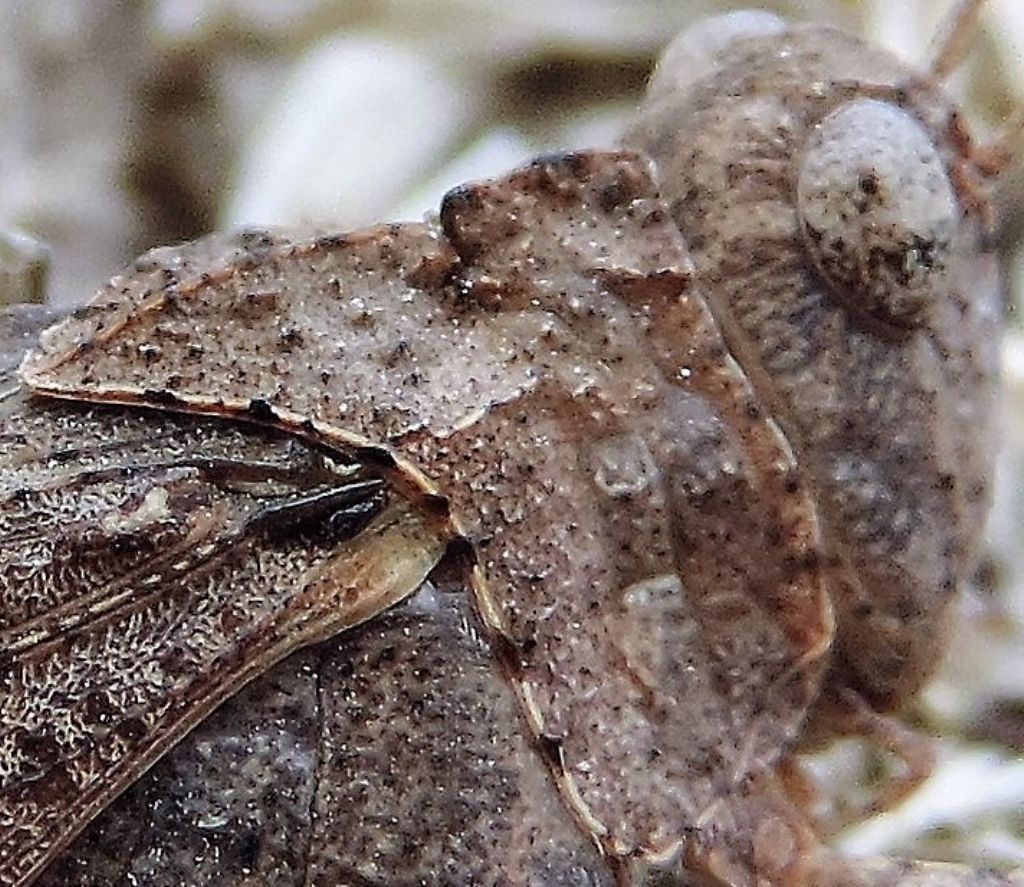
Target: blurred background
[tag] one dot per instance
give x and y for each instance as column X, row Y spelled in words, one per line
column 126, row 124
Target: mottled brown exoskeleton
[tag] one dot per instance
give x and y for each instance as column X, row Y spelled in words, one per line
column 606, row 490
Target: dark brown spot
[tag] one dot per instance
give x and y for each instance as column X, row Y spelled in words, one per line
column 507, row 652
column 40, row 748
column 377, row 456
column 261, row 410
column 332, row 241
column 436, row 505
column 551, row 749
column 98, row 708
column 291, row 337
column 461, row 550
column 131, row 729
column 869, row 183
column 161, row 396
column 612, row 196
column 457, row 202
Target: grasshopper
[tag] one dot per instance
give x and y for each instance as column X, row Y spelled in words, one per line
column 527, row 544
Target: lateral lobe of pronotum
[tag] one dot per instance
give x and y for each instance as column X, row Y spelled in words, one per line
column 641, row 622
column 151, row 566
column 646, row 558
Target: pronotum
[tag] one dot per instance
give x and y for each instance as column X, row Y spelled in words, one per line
column 604, row 492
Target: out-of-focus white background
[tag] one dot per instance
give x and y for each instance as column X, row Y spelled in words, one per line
column 130, row 123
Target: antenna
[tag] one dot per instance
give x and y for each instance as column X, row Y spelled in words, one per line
column 949, row 47
column 953, row 38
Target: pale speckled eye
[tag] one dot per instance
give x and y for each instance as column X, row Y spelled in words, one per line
column 877, row 209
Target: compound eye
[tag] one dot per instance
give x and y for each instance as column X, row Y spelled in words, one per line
column 877, row 209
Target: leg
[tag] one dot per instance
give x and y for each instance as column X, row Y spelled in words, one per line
column 847, row 714
column 991, row 159
column 915, row 752
column 954, row 36
column 949, row 47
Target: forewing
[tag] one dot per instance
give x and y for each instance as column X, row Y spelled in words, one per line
column 230, row 804
column 390, row 755
column 151, row 566
column 647, row 562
